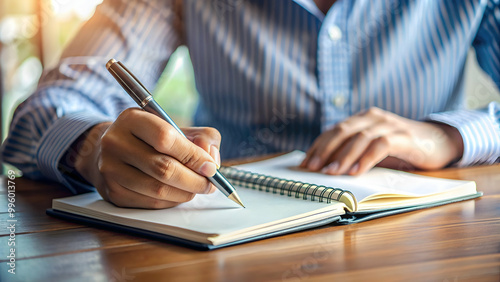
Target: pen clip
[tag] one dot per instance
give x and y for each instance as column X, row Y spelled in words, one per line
column 129, row 82
column 136, row 79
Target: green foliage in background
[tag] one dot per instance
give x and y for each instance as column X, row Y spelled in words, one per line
column 176, row 90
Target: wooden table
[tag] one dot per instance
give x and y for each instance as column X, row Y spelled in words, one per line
column 450, row 243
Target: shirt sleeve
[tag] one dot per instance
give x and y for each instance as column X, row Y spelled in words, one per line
column 480, row 129
column 79, row 92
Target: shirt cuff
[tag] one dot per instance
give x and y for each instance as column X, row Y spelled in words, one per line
column 480, row 133
column 57, row 140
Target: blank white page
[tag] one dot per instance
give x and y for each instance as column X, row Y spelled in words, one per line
column 208, row 214
column 374, row 182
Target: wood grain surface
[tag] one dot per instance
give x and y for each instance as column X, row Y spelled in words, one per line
column 455, row 242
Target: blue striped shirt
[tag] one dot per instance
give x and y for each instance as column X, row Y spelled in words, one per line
column 272, row 75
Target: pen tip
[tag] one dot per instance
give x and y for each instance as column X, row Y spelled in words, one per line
column 234, row 197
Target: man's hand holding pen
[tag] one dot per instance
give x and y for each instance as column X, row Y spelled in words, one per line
column 141, row 161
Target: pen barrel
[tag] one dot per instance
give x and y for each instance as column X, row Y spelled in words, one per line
column 129, row 83
column 218, row 179
column 221, row 183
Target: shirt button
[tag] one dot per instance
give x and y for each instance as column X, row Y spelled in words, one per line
column 339, row 101
column 335, row 33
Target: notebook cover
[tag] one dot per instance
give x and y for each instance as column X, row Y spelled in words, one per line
column 176, row 240
column 356, row 217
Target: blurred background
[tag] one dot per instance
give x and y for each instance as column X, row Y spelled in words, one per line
column 34, row 32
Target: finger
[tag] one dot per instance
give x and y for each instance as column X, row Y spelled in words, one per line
column 161, row 167
column 204, row 137
column 312, row 161
column 125, row 198
column 329, row 142
column 345, row 158
column 172, row 172
column 207, row 138
column 135, row 180
column 165, row 139
column 380, row 150
column 376, row 152
column 348, row 154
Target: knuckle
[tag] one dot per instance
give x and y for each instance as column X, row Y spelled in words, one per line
column 160, row 191
column 104, row 168
column 164, row 167
column 156, row 204
column 107, row 142
column 166, row 136
column 408, row 134
column 341, row 128
column 127, row 113
column 363, row 134
column 386, row 117
column 383, row 141
column 390, row 119
column 191, row 159
column 374, row 111
column 199, row 140
column 166, row 131
column 213, row 133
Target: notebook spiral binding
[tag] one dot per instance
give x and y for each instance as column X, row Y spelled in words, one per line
column 287, row 187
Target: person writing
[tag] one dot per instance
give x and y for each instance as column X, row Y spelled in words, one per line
column 354, row 83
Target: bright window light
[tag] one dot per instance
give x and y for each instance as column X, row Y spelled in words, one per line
column 84, row 9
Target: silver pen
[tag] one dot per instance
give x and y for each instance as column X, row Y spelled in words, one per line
column 145, row 100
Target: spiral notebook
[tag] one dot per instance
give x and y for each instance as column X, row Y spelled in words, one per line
column 280, row 198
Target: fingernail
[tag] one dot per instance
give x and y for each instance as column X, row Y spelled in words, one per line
column 354, row 169
column 315, row 163
column 208, row 169
column 332, row 168
column 214, row 152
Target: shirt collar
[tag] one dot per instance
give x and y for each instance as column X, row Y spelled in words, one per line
column 311, row 7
